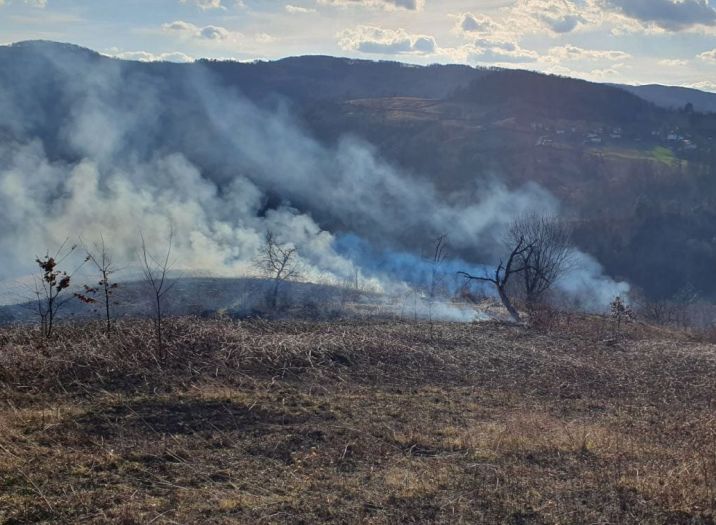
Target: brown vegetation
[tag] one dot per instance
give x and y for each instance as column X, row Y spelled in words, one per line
column 378, row 422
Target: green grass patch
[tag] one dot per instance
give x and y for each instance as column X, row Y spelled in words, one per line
column 664, row 155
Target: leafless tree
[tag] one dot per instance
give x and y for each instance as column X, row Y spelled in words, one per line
column 548, row 255
column 503, row 273
column 101, row 259
column 657, row 311
column 49, row 287
column 620, row 313
column 279, row 263
column 155, row 271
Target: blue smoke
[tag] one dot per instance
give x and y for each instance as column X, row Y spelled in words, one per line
column 406, row 267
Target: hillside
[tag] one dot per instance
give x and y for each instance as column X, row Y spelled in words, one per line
column 357, row 422
column 534, row 96
column 637, row 180
column 673, row 97
column 311, row 78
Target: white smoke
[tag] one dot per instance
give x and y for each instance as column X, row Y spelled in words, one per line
column 137, row 162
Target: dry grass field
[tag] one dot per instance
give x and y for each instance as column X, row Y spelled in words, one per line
column 357, row 422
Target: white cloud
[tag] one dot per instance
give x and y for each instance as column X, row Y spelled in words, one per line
column 493, row 51
column 34, row 3
column 376, row 40
column 295, row 9
column 602, row 74
column 672, row 62
column 180, row 26
column 705, row 85
column 553, row 18
column 209, row 32
column 570, row 52
column 264, row 38
column 609, row 74
column 411, row 5
column 486, row 50
column 558, row 16
column 205, row 5
column 561, row 17
column 499, row 36
column 469, row 23
column 146, row 56
column 214, row 33
column 709, row 56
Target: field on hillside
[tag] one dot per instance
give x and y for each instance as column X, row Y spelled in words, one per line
column 372, row 422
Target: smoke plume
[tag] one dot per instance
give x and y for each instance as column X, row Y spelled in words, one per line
column 112, row 147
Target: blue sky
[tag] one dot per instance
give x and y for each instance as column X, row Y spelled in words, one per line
column 630, row 41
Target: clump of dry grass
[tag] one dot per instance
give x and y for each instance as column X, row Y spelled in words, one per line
column 378, row 422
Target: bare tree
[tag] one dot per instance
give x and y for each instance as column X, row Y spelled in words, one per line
column 503, row 273
column 100, row 257
column 548, row 256
column 620, row 313
column 661, row 312
column 279, row 263
column 49, row 287
column 156, row 272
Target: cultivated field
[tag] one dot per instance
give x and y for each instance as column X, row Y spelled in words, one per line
column 372, row 422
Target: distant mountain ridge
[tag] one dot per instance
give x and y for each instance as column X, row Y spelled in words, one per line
column 317, row 77
column 314, row 77
column 674, row 97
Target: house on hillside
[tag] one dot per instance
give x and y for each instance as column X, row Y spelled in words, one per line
column 593, row 138
column 674, row 137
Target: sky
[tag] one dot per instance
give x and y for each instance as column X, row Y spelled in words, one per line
column 626, row 41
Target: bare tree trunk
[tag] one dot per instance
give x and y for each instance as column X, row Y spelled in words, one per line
column 160, row 342
column 102, row 260
column 502, row 276
column 51, row 317
column 508, row 305
column 106, row 307
column 274, row 294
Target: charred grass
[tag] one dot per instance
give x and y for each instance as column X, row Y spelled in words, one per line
column 374, row 422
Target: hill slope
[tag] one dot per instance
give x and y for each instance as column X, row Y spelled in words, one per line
column 675, row 97
column 641, row 180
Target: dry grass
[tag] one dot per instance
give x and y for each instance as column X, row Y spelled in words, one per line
column 374, row 422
